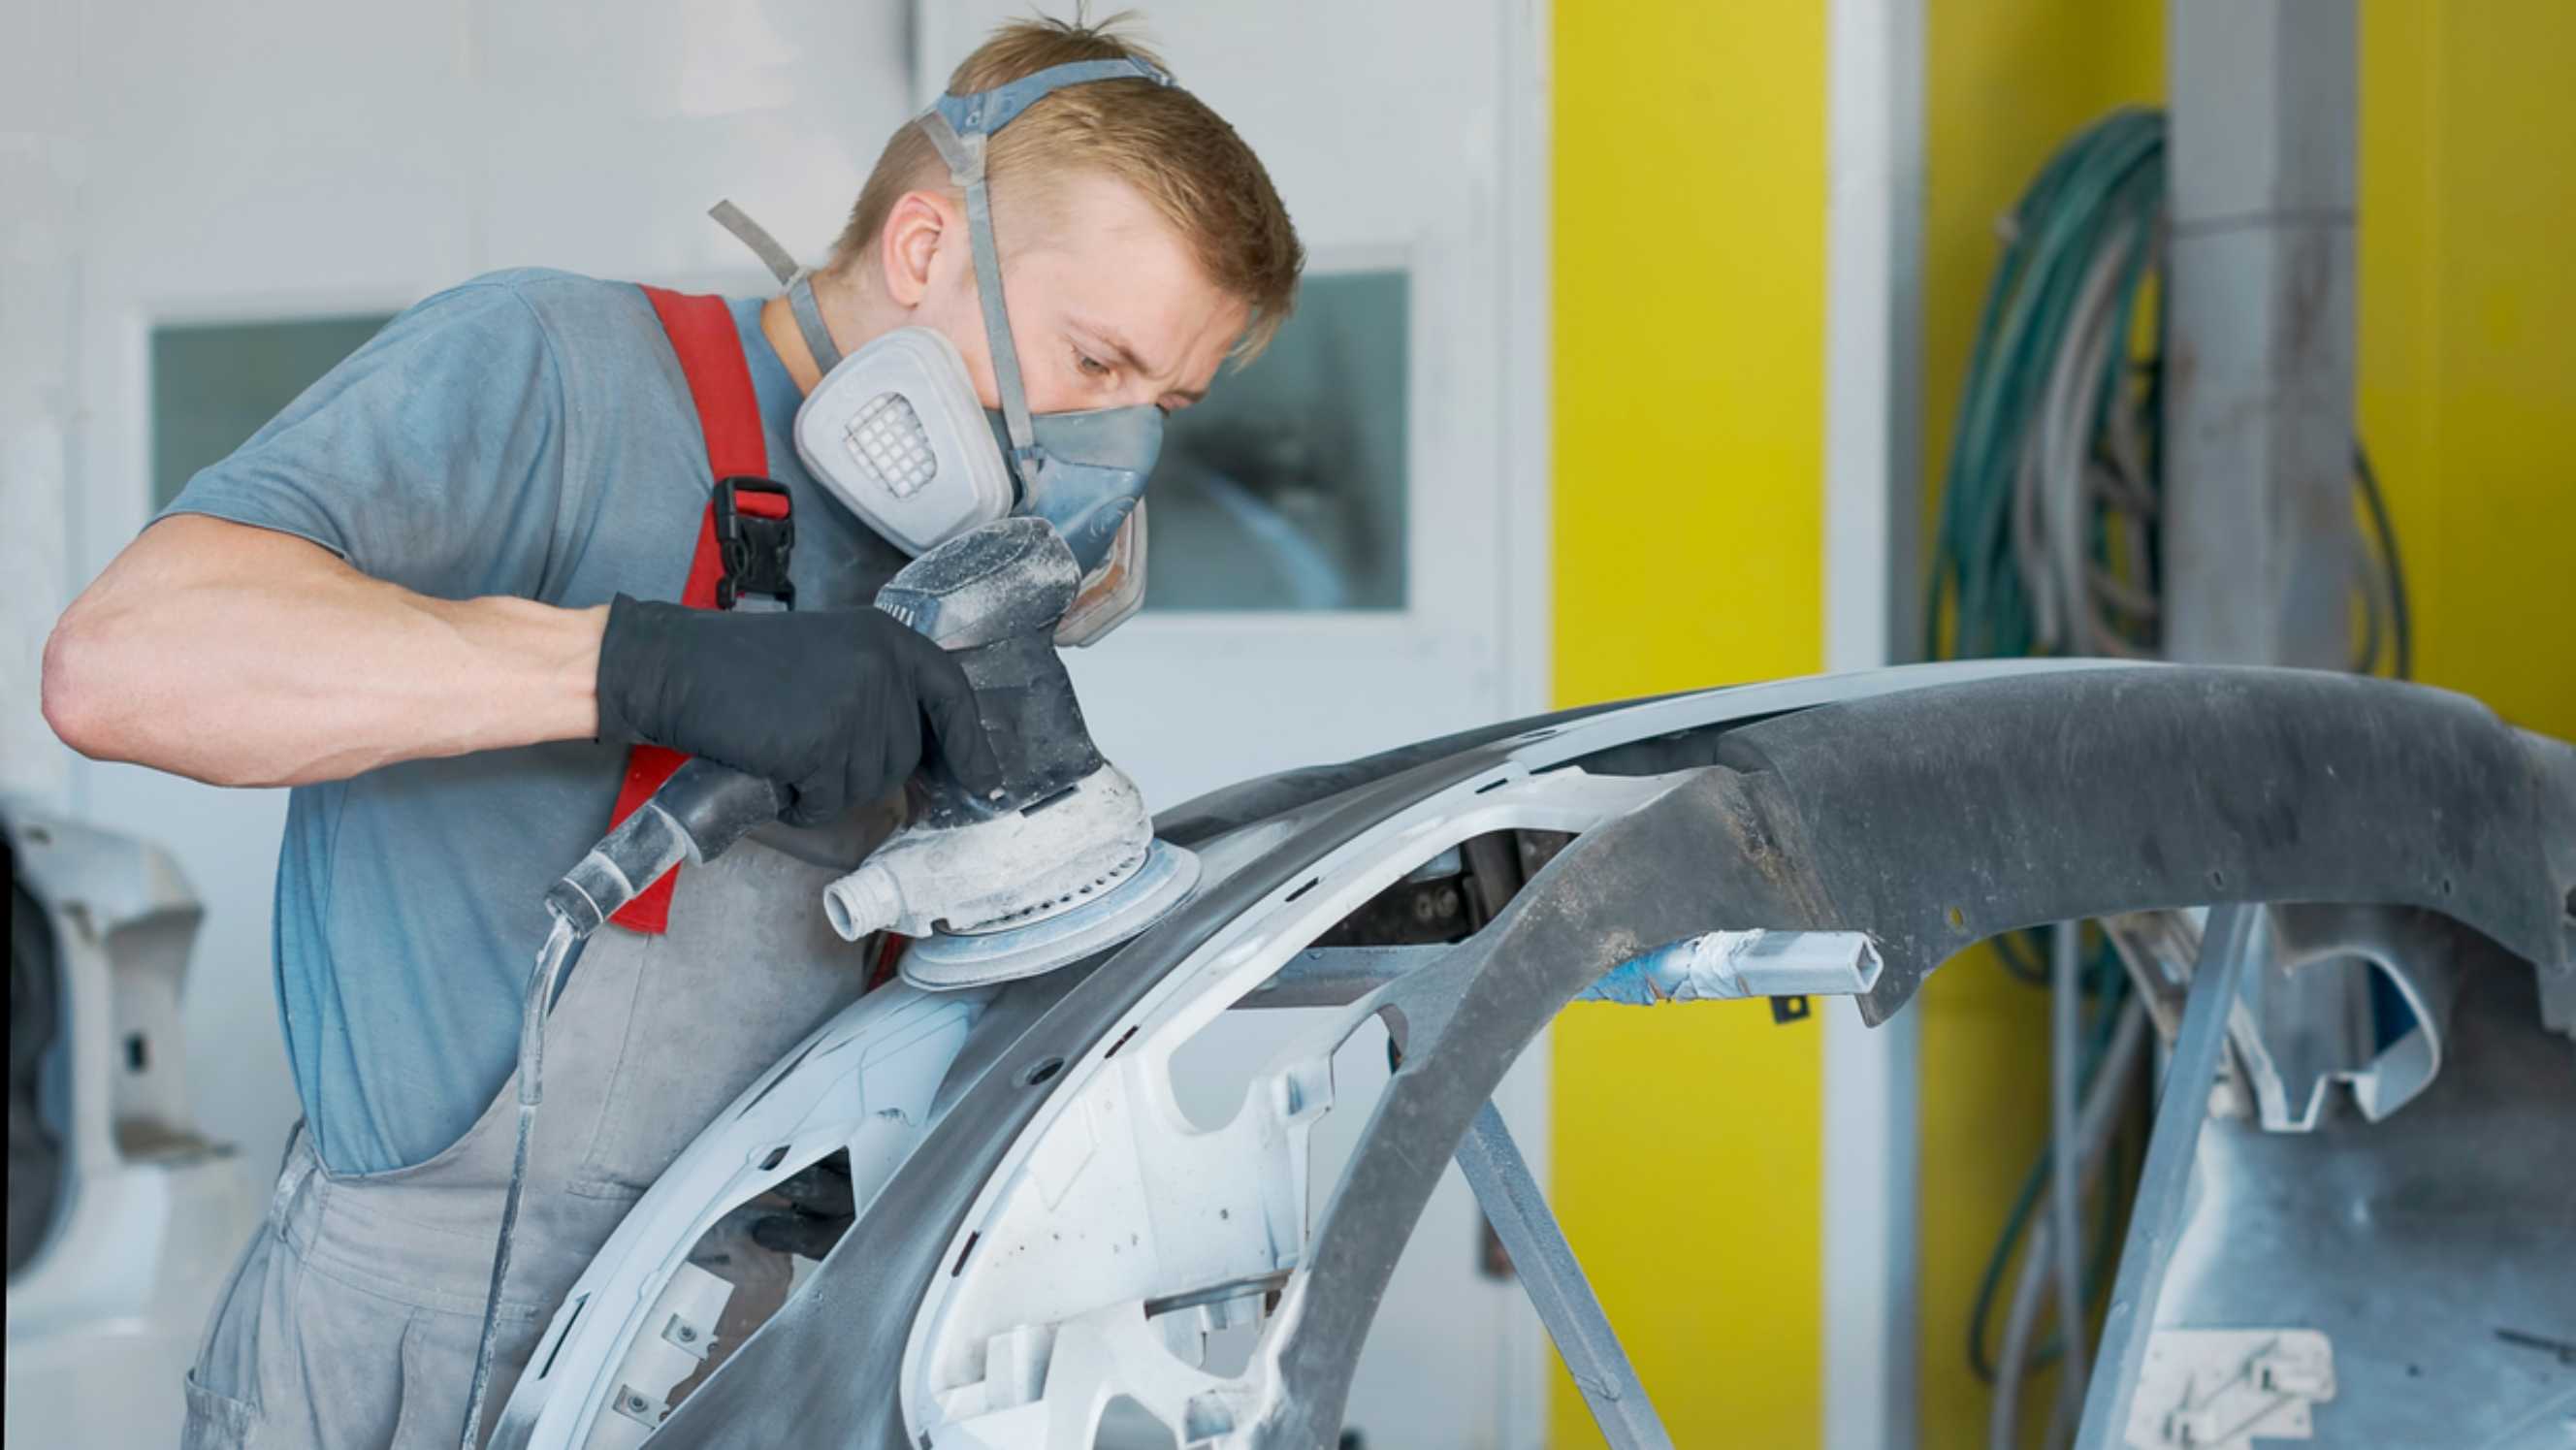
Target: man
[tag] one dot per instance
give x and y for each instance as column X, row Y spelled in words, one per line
column 418, row 597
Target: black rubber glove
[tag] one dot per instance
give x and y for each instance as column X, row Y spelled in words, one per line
column 837, row 705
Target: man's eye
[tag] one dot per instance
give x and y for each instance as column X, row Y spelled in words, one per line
column 1091, row 366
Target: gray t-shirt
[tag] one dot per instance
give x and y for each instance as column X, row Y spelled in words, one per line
column 528, row 433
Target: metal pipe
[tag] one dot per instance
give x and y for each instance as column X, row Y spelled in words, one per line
column 2066, row 1208
column 2155, row 1216
column 1556, row 1286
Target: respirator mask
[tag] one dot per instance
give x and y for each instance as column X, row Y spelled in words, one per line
column 896, row 432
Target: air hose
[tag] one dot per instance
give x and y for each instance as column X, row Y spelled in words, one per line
column 695, row 817
column 2052, row 492
column 2051, row 373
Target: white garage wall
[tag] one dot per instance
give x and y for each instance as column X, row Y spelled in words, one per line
column 40, row 176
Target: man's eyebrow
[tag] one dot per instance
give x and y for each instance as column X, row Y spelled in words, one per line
column 1123, row 353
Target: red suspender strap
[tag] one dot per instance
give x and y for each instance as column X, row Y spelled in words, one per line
column 710, row 351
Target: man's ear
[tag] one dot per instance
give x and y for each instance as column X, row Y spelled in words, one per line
column 915, row 226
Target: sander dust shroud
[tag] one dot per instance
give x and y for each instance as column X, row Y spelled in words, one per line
column 1056, row 864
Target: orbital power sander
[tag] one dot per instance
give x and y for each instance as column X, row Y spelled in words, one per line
column 1058, row 863
column 1061, row 861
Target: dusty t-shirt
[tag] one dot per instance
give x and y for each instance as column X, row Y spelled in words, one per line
column 528, row 433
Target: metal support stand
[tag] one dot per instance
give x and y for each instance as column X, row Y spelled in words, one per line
column 1545, row 1262
column 2164, row 1185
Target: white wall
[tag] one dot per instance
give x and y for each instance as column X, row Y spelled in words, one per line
column 40, row 176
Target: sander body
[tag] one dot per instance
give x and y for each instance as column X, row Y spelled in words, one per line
column 1060, row 861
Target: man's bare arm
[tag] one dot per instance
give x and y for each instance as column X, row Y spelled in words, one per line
column 241, row 656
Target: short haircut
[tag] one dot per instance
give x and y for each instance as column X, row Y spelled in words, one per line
column 1161, row 140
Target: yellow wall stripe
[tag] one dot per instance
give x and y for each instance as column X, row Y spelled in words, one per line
column 1689, row 175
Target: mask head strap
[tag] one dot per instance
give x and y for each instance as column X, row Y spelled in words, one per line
column 799, row 282
column 961, row 127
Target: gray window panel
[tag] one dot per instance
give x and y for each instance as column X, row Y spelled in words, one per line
column 1285, row 488
column 214, row 384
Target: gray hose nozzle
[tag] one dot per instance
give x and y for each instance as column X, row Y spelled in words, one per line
column 696, row 815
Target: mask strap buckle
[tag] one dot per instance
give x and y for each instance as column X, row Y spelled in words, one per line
column 754, row 521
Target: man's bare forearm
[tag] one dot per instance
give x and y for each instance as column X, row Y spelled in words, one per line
column 240, row 656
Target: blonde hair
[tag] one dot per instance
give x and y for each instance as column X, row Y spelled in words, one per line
column 1161, row 140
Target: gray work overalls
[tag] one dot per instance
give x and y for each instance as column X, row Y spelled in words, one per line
column 353, row 1316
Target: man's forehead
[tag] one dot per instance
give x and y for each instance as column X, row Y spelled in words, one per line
column 1112, row 263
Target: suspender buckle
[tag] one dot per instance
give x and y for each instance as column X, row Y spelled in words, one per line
column 755, row 534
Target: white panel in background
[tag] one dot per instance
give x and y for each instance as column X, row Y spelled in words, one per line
column 605, row 143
